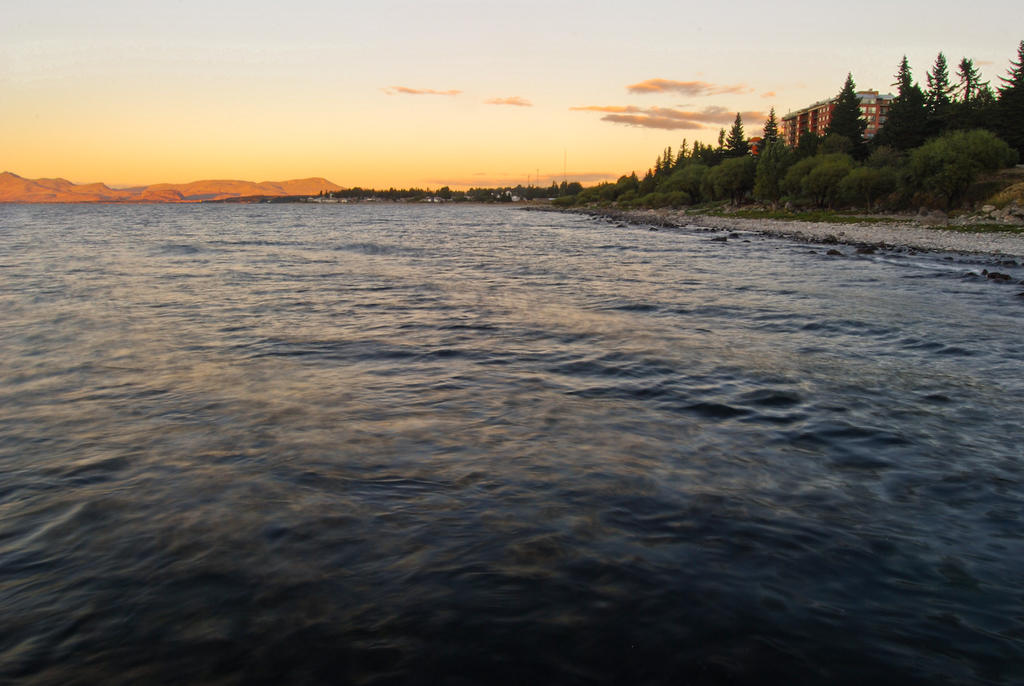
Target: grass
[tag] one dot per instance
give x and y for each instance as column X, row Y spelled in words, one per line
column 979, row 228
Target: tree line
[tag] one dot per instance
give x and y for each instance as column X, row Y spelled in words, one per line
column 445, row 193
column 935, row 143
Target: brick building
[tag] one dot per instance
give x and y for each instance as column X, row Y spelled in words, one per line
column 874, row 109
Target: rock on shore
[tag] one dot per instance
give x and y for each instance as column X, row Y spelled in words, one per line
column 908, row 235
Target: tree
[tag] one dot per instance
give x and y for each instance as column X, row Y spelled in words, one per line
column 772, row 163
column 846, row 120
column 1010, row 108
column 940, row 90
column 947, row 166
column 938, row 97
column 808, row 144
column 681, row 156
column 822, row 182
column 663, row 166
column 732, row 179
column 689, row 178
column 736, row 144
column 868, row 183
column 833, row 142
column 970, row 81
column 973, row 102
column 905, row 127
column 817, row 178
column 647, row 185
column 706, row 154
column 771, row 129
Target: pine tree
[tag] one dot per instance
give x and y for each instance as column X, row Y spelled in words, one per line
column 970, row 80
column 846, row 120
column 736, row 144
column 647, row 185
column 939, row 96
column 1010, row 107
column 905, row 126
column 771, row 129
column 663, row 165
column 681, row 155
column 972, row 107
column 939, row 87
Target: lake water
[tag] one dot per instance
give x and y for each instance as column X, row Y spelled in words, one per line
column 299, row 444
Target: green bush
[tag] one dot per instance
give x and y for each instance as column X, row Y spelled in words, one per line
column 658, row 199
column 867, row 184
column 816, row 179
column 946, row 166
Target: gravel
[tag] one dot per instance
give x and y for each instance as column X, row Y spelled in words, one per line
column 908, row 235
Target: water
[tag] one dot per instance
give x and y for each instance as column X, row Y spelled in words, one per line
column 295, row 444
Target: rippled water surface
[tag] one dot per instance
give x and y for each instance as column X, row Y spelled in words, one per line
column 294, row 444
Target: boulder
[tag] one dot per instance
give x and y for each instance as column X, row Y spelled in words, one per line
column 936, row 218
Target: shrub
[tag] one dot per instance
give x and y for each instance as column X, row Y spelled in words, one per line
column 946, row 166
column 867, row 184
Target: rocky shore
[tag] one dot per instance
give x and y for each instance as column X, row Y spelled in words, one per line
column 912, row 234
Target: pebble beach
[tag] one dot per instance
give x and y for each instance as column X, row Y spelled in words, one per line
column 909, row 235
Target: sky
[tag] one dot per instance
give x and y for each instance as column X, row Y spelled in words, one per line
column 452, row 93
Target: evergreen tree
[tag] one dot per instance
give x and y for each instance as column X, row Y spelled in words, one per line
column 771, row 129
column 905, row 126
column 939, row 88
column 1010, row 108
column 663, row 165
column 736, row 144
column 970, row 81
column 939, row 96
column 647, row 185
column 973, row 106
column 846, row 120
column 681, row 155
column 721, row 139
column 808, row 144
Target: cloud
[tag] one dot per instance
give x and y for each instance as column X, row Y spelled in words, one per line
column 690, row 88
column 514, row 100
column 768, row 94
column 668, row 118
column 402, row 90
column 652, row 122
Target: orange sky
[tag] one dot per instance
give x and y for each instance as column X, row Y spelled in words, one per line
column 451, row 93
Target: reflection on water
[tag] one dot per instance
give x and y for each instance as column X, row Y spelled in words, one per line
column 292, row 444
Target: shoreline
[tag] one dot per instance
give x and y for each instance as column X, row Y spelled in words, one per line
column 903, row 236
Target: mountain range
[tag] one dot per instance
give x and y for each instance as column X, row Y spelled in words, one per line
column 14, row 188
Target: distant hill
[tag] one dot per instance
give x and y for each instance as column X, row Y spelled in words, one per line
column 14, row 188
